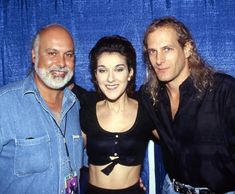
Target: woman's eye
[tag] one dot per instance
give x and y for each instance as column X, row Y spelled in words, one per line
column 101, row 70
column 119, row 69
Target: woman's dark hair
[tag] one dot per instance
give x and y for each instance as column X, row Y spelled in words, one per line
column 114, row 44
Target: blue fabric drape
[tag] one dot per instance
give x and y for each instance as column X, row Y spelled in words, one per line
column 211, row 22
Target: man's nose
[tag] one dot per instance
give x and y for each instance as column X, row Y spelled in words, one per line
column 62, row 61
column 160, row 58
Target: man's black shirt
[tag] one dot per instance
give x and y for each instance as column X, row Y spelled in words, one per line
column 199, row 143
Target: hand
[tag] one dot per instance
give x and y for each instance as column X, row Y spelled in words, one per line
column 142, row 184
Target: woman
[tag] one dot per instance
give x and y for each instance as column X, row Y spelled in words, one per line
column 117, row 128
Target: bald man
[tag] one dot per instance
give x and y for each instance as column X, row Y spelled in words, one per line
column 40, row 139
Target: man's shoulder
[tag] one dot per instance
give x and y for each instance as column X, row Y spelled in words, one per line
column 220, row 75
column 224, row 79
column 224, row 84
column 11, row 88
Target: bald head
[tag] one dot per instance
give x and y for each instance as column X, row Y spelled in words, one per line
column 50, row 30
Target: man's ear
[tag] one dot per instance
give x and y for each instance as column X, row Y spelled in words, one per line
column 188, row 49
column 33, row 56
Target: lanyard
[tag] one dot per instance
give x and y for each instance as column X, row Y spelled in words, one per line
column 65, row 143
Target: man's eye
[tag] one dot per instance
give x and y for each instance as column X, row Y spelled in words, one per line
column 52, row 53
column 69, row 55
column 167, row 49
column 152, row 52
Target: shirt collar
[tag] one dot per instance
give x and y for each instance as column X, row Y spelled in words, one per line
column 187, row 87
column 29, row 85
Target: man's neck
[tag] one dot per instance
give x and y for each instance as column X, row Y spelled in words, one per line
column 53, row 99
column 174, row 85
column 174, row 96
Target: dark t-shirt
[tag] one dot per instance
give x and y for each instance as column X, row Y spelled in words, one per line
column 129, row 146
column 84, row 96
column 199, row 144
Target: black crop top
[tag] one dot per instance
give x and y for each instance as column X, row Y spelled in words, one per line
column 129, row 146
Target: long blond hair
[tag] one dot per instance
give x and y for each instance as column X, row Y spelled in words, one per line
column 201, row 73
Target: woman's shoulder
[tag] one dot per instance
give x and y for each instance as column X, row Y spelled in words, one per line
column 86, row 98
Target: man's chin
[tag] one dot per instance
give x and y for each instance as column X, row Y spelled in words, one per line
column 53, row 81
column 57, row 85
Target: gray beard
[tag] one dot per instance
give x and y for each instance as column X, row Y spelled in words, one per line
column 51, row 81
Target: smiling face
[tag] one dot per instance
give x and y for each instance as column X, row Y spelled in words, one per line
column 167, row 57
column 112, row 75
column 54, row 58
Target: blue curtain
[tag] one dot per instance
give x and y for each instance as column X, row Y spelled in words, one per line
column 211, row 22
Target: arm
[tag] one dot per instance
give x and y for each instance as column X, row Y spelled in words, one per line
column 142, row 184
column 229, row 114
column 144, row 97
column 84, row 138
column 227, row 101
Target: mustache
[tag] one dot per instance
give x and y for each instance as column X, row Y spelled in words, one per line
column 60, row 69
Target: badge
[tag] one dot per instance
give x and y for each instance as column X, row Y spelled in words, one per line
column 71, row 183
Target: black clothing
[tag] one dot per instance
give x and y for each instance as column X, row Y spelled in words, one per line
column 78, row 91
column 84, row 96
column 199, row 143
column 129, row 146
column 135, row 189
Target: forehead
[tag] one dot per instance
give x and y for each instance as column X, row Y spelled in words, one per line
column 56, row 38
column 162, row 36
column 111, row 59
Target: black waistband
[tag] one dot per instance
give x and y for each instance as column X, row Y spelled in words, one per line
column 133, row 188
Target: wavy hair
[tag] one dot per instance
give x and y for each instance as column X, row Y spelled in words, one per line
column 201, row 73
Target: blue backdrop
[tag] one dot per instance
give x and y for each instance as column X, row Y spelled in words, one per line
column 212, row 23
